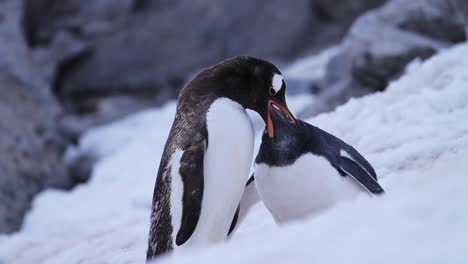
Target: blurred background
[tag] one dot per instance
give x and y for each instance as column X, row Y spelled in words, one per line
column 69, row 65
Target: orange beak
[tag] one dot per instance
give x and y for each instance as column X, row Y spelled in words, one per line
column 271, row 107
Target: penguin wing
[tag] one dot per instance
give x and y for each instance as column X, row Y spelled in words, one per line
column 191, row 172
column 358, row 172
column 251, row 179
column 348, row 161
column 236, row 215
column 358, row 158
column 234, row 220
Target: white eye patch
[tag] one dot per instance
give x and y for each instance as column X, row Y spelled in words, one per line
column 277, row 82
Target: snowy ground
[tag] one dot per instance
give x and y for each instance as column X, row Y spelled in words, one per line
column 415, row 134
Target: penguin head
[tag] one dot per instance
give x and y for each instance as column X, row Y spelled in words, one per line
column 286, row 142
column 256, row 84
column 283, row 128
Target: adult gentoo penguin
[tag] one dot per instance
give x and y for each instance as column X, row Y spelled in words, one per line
column 301, row 170
column 208, row 154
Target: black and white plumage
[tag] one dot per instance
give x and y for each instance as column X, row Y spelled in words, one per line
column 208, row 153
column 301, row 170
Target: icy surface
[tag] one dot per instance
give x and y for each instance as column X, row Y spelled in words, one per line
column 415, row 134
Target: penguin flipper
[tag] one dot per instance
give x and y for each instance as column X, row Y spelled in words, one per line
column 236, row 215
column 355, row 156
column 361, row 176
column 234, row 220
column 191, row 172
column 251, row 179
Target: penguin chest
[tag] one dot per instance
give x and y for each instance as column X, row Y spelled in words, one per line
column 308, row 186
column 227, row 164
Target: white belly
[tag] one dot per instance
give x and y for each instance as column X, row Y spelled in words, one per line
column 227, row 163
column 307, row 187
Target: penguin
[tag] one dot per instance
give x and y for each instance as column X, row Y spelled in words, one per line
column 301, row 170
column 208, row 154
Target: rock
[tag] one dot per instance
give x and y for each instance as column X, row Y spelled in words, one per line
column 97, row 111
column 64, row 49
column 30, row 147
column 31, row 152
column 143, row 5
column 160, row 54
column 344, row 9
column 383, row 41
column 44, row 19
column 80, row 164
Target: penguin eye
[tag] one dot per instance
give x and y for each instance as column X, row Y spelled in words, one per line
column 272, row 91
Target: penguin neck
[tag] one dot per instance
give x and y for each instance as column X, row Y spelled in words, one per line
column 287, row 144
column 278, row 151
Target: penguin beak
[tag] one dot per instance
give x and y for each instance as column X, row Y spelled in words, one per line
column 274, row 106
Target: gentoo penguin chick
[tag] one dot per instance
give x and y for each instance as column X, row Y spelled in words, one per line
column 208, row 154
column 302, row 170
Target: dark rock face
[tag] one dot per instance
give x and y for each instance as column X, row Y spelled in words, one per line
column 44, row 19
column 103, row 110
column 382, row 42
column 31, row 153
column 150, row 47
column 344, row 9
column 30, row 147
column 152, row 50
column 144, row 50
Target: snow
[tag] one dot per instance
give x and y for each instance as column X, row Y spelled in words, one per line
column 415, row 134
